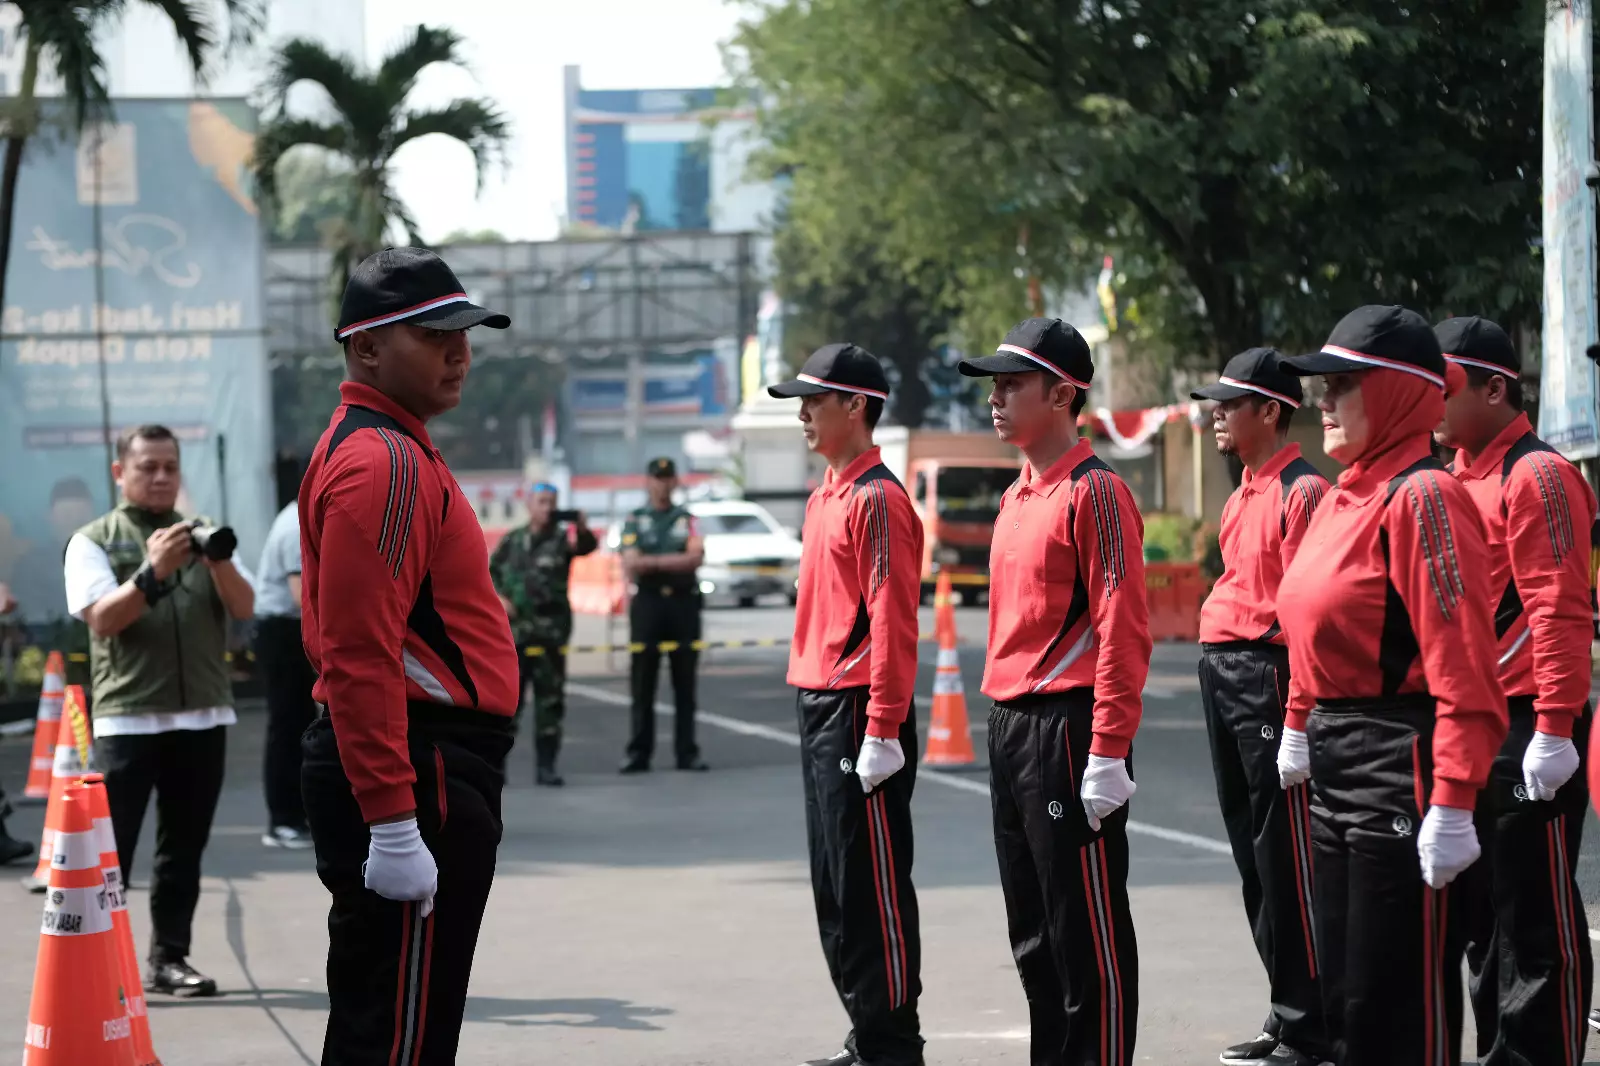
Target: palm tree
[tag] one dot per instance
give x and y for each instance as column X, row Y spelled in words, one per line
column 62, row 32
column 372, row 122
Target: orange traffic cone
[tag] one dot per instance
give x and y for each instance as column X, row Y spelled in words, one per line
column 72, row 760
column 79, row 1013
column 144, row 1052
column 949, row 736
column 46, row 727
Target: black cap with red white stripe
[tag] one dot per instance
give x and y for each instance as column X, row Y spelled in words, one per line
column 845, row 367
column 1479, row 344
column 409, row 285
column 1258, row 372
column 1047, row 344
column 1377, row 337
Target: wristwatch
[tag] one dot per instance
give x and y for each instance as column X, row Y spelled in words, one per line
column 145, row 580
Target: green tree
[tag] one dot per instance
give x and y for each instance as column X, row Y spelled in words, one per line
column 1257, row 168
column 372, row 122
column 316, row 192
column 474, row 236
column 61, row 34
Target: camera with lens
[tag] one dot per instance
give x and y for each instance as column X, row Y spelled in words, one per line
column 216, row 543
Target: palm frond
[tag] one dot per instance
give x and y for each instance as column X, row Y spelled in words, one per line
column 302, row 59
column 191, row 21
column 426, row 46
column 64, row 34
column 278, row 137
column 478, row 124
column 246, row 20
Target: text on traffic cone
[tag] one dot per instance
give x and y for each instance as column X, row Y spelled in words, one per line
column 144, row 1053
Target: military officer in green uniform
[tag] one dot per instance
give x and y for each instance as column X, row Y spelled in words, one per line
column 661, row 550
column 529, row 569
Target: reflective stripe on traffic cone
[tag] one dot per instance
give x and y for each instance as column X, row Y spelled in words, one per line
column 46, row 727
column 79, row 1012
column 71, row 762
column 144, row 1052
column 949, row 735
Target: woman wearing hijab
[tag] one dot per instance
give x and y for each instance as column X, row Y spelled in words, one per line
column 1393, row 714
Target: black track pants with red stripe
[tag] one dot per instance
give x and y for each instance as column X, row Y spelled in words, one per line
column 1065, row 886
column 1243, row 687
column 1527, row 935
column 861, row 850
column 1390, row 946
column 397, row 982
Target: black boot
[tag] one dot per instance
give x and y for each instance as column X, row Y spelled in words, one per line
column 544, row 749
column 12, row 849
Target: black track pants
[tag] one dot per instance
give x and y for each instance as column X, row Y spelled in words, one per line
column 861, row 850
column 1244, row 688
column 1391, row 958
column 1527, row 935
column 1065, row 886
column 397, row 982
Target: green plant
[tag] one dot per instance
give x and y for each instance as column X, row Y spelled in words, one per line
column 1169, row 538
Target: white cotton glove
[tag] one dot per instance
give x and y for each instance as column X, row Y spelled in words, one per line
column 399, row 865
column 1548, row 764
column 1106, row 786
column 1294, row 758
column 878, row 761
column 1447, row 844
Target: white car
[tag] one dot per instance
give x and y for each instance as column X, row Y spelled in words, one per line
column 748, row 554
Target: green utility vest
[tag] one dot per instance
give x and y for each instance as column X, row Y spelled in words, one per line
column 666, row 532
column 173, row 658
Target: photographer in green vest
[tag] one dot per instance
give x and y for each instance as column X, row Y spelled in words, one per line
column 157, row 590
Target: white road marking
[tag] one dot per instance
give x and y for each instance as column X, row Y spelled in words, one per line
column 961, row 783
column 1000, row 1034
column 17, row 728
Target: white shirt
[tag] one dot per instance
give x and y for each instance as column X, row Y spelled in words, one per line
column 280, row 560
column 90, row 579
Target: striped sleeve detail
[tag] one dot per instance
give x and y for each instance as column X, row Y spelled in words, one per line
column 1305, row 495
column 1437, row 541
column 401, row 502
column 1546, row 474
column 1102, row 490
column 875, row 501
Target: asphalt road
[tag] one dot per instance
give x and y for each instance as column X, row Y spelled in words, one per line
column 667, row 918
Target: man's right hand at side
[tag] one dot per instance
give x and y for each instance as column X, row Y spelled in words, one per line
column 399, row 865
column 169, row 549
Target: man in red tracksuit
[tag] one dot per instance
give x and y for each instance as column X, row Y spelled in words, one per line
column 1528, row 948
column 854, row 660
column 404, row 765
column 1388, row 639
column 1069, row 650
column 1244, row 687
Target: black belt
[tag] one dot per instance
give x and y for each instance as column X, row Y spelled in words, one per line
column 439, row 718
column 1403, row 704
column 668, row 590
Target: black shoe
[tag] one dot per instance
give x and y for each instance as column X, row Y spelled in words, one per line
column 635, row 766
column 1251, row 1051
column 1284, row 1055
column 845, row 1057
column 14, row 850
column 547, row 776
column 178, row 978
column 699, row 765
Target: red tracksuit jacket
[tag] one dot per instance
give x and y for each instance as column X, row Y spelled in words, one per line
column 1263, row 523
column 1538, row 512
column 1380, row 601
column 395, row 596
column 1066, row 594
column 855, row 619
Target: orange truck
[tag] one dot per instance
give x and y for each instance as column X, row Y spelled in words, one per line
column 955, row 481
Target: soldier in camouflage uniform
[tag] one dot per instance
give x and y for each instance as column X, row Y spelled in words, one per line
column 529, row 569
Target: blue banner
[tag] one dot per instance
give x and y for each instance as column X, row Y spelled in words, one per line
column 166, row 303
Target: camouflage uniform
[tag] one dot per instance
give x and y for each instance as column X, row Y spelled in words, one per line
column 531, row 569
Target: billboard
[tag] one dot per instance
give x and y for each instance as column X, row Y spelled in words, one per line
column 1567, row 413
column 135, row 263
column 700, row 389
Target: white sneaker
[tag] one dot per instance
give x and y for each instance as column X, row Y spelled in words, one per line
column 283, row 836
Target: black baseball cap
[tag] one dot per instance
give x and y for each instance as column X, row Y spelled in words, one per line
column 662, row 467
column 842, row 367
column 1037, row 344
column 1478, row 343
column 1377, row 337
column 1256, row 372
column 409, row 285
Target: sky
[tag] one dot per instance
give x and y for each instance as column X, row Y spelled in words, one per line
column 517, row 49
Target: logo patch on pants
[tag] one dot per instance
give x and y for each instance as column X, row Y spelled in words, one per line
column 1055, row 809
column 1402, row 825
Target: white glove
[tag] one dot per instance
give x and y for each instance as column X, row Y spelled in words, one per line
column 1447, row 844
column 1548, row 764
column 1294, row 758
column 879, row 760
column 1106, row 786
column 399, row 865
